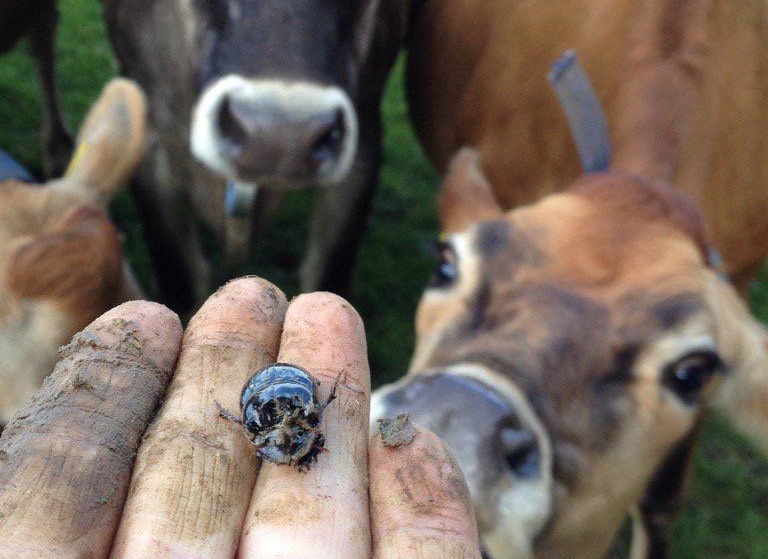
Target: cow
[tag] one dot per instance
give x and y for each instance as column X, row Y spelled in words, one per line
column 61, row 259
column 577, row 329
column 38, row 20
column 279, row 95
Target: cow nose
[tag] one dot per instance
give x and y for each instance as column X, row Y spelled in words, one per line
column 328, row 138
column 521, row 451
column 487, row 432
column 262, row 141
column 273, row 133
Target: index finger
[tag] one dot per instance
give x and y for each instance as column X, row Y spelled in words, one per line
column 65, row 460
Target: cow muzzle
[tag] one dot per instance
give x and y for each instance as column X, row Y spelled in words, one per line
column 498, row 440
column 275, row 133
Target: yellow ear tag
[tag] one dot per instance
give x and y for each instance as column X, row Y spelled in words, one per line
column 82, row 149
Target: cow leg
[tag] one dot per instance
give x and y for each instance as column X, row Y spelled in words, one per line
column 340, row 215
column 654, row 518
column 57, row 141
column 180, row 270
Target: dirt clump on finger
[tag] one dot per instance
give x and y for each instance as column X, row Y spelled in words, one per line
column 396, row 431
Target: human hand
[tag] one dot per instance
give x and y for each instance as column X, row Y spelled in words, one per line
column 70, row 487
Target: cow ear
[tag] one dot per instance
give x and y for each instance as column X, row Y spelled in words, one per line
column 111, row 140
column 76, row 264
column 466, row 196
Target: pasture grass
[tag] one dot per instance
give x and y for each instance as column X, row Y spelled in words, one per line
column 726, row 512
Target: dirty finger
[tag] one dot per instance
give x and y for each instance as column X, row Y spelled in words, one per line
column 420, row 504
column 323, row 512
column 66, row 458
column 195, row 470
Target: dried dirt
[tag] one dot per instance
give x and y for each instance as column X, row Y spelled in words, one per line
column 397, row 431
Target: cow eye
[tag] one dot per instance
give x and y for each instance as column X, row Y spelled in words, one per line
column 447, row 270
column 688, row 376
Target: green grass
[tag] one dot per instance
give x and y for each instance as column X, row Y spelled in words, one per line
column 726, row 515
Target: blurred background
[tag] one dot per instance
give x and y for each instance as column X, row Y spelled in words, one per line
column 727, row 511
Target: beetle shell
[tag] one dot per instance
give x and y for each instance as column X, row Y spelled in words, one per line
column 281, row 415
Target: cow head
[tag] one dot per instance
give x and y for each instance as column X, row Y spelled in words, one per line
column 566, row 349
column 61, row 258
column 280, row 84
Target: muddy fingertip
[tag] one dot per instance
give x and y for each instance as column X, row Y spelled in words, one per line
column 142, row 329
column 420, row 502
column 250, row 297
column 322, row 309
column 420, row 464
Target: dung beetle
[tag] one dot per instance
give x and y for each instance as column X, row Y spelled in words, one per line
column 281, row 415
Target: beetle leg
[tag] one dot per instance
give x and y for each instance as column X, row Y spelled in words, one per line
column 332, row 395
column 229, row 416
column 304, row 463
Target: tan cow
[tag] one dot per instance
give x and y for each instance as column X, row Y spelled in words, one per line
column 61, row 257
column 477, row 77
column 567, row 350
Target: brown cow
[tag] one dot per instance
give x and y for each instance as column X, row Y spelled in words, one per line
column 478, row 79
column 568, row 350
column 61, row 258
column 38, row 20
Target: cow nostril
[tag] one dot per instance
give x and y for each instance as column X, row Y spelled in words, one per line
column 328, row 144
column 521, row 452
column 230, row 125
